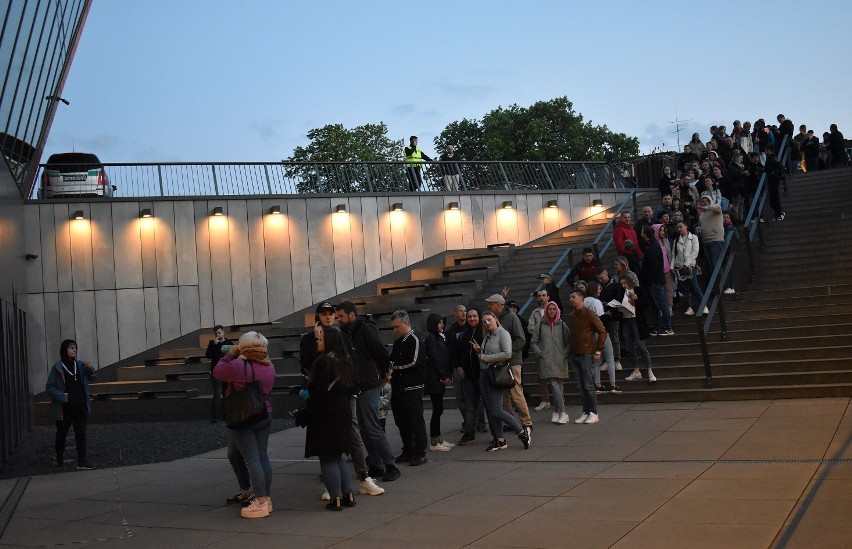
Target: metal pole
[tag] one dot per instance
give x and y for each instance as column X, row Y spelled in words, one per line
column 160, row 175
column 708, row 374
column 215, row 181
column 268, row 182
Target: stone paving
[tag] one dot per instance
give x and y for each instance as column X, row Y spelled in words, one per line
column 713, row 474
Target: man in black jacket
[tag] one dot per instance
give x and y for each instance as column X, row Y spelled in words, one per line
column 774, row 174
column 611, row 290
column 407, row 360
column 653, row 277
column 214, row 354
column 370, row 369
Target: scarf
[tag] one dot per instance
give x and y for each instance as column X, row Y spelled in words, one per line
column 255, row 353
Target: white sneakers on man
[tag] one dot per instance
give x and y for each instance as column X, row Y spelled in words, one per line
column 582, row 418
column 370, row 488
column 543, row 406
column 563, row 418
column 593, row 418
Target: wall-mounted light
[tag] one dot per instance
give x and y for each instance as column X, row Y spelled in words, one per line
column 275, row 210
column 340, row 208
column 507, row 205
column 597, row 202
column 551, row 204
column 217, row 211
column 396, row 207
column 453, row 206
column 145, row 213
column 78, row 215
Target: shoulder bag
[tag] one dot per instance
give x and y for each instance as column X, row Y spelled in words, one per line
column 246, row 407
column 500, row 375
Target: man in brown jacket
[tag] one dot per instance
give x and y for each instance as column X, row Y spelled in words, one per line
column 583, row 324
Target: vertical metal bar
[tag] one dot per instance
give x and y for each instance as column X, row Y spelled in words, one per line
column 506, row 183
column 160, row 177
column 708, row 373
column 268, row 181
column 368, row 180
column 215, row 180
column 547, row 176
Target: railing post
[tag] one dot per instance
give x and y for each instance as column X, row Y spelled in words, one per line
column 215, row 180
column 505, row 177
column 547, row 176
column 160, row 175
column 708, row 373
column 268, row 182
column 367, row 177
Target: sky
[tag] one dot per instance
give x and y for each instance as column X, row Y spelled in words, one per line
column 219, row 81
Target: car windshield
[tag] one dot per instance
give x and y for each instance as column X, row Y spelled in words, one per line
column 73, row 162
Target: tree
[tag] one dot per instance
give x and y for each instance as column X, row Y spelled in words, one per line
column 351, row 149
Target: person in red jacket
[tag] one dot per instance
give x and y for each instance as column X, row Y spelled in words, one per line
column 625, row 231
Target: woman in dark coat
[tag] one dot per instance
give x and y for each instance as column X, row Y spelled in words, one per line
column 438, row 376
column 70, row 404
column 466, row 363
column 330, row 417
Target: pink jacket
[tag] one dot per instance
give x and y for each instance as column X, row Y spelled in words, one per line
column 230, row 370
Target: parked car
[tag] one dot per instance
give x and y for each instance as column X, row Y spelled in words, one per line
column 74, row 174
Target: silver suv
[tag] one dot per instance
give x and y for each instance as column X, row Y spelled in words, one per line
column 74, row 174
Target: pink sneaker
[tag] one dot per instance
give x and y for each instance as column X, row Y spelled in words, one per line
column 256, row 509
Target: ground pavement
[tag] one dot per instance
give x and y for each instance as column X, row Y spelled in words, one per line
column 713, row 474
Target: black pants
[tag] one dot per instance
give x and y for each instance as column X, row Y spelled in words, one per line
column 77, row 417
column 407, row 407
column 775, row 196
column 437, row 411
column 216, row 404
column 415, row 178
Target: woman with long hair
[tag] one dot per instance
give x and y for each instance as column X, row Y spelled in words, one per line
column 635, row 327
column 438, row 376
column 466, row 363
column 330, row 416
column 68, row 386
column 244, row 363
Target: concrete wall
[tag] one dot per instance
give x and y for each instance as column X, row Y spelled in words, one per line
column 119, row 284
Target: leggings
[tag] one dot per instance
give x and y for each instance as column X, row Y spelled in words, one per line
column 78, row 419
column 335, row 475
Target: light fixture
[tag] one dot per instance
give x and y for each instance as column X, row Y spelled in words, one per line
column 551, row 204
column 453, row 206
column 275, row 210
column 340, row 208
column 145, row 213
column 78, row 215
column 396, row 207
column 597, row 202
column 507, row 205
column 218, row 211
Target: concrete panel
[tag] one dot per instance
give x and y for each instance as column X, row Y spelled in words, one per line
column 132, row 332
column 103, row 262
column 356, row 236
column 185, row 247
column 164, row 240
column 376, row 256
column 85, row 321
column 411, row 216
column 148, row 241
column 279, row 285
column 321, row 249
column 434, row 236
column 67, row 326
column 52, row 328
column 525, row 215
column 64, row 280
column 47, row 257
column 490, row 204
column 466, row 222
column 202, row 256
column 32, row 268
column 240, row 261
column 342, row 235
column 169, row 310
column 152, row 317
column 127, row 242
column 38, row 360
column 190, row 316
column 300, row 259
column 106, row 310
column 477, row 219
column 220, row 266
column 80, row 245
column 257, row 260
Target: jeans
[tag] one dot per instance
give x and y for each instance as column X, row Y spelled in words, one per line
column 407, row 409
column 585, row 381
column 712, row 252
column 78, row 419
column 613, row 327
column 359, row 453
column 216, row 404
column 472, row 402
column 608, row 357
column 238, row 464
column 689, row 287
column 497, row 416
column 775, row 196
column 375, row 440
column 516, row 395
column 632, row 341
column 555, row 386
column 660, row 306
column 335, row 475
column 252, row 444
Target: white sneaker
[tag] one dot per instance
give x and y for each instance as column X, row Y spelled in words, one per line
column 706, row 311
column 255, row 510
column 449, row 445
column 635, row 376
column 438, row 448
column 617, row 365
column 651, row 377
column 563, row 418
column 689, row 312
column 604, row 367
column 593, row 418
column 325, row 496
column 543, row 406
column 554, row 418
column 729, row 291
column 370, row 488
column 582, row 418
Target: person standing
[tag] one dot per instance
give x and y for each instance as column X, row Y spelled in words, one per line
column 548, row 284
column 70, row 404
column 774, row 175
column 810, row 149
column 438, row 376
column 543, row 298
column 450, row 168
column 837, row 145
column 512, row 324
column 414, row 158
column 214, row 353
column 551, row 344
column 653, row 277
column 370, row 369
column 406, row 359
column 243, row 363
column 685, row 263
column 624, row 231
column 585, row 352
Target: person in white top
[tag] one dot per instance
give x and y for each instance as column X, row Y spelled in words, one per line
column 684, row 257
column 591, row 302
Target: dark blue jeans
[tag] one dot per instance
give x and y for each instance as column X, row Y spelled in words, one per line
column 660, row 307
column 689, row 287
column 372, row 433
column 582, row 366
column 252, row 444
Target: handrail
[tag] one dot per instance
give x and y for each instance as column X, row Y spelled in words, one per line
column 724, row 265
column 568, row 253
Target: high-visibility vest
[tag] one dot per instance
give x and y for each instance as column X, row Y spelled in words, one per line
column 414, row 159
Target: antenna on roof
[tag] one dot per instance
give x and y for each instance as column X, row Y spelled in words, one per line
column 678, row 128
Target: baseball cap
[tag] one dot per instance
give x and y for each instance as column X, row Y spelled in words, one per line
column 325, row 306
column 544, row 275
column 496, row 298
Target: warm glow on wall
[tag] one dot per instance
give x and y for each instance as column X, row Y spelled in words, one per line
column 507, row 215
column 218, row 226
column 340, row 219
column 80, row 228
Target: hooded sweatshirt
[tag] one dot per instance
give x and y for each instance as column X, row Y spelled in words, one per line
column 550, row 343
column 666, row 247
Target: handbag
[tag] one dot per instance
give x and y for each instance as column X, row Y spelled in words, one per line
column 246, row 407
column 500, row 376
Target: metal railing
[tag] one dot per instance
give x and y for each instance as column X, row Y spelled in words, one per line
column 14, row 379
column 568, row 253
column 713, row 294
column 245, row 178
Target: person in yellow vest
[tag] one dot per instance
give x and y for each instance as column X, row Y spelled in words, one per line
column 414, row 158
